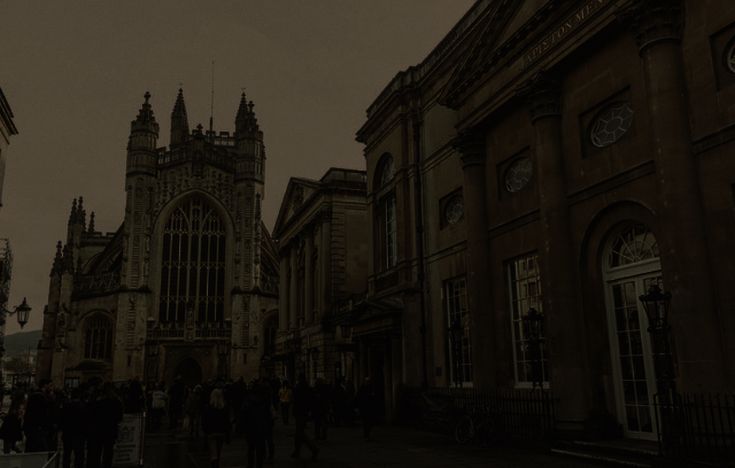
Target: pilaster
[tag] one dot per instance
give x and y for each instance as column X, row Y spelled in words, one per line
column 657, row 25
column 564, row 331
column 472, row 150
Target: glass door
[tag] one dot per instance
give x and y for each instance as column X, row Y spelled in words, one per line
column 633, row 358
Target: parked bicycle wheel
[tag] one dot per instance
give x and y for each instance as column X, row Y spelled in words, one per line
column 464, row 430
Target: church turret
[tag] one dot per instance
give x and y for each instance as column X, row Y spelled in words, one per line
column 179, row 121
column 249, row 142
column 142, row 141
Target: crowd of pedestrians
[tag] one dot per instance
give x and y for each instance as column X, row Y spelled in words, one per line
column 83, row 422
column 216, row 411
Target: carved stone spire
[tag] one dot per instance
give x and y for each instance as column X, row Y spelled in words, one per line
column 90, row 229
column 144, row 129
column 81, row 213
column 58, row 259
column 245, row 122
column 241, row 119
column 179, row 120
column 73, row 214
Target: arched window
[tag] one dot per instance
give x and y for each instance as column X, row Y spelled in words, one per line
column 385, row 171
column 193, row 264
column 632, row 266
column 98, row 338
column 634, row 244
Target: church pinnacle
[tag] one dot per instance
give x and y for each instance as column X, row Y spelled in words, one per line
column 145, row 121
column 245, row 121
column 179, row 120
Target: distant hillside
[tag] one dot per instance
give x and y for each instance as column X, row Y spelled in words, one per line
column 18, row 343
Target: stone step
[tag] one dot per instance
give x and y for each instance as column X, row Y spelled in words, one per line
column 601, row 458
column 612, row 452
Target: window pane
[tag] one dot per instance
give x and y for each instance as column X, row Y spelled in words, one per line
column 530, row 359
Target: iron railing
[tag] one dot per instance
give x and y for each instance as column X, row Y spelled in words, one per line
column 522, row 414
column 695, row 426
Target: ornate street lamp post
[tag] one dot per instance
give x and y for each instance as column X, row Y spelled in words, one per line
column 21, row 312
column 656, row 303
column 533, row 323
column 455, row 336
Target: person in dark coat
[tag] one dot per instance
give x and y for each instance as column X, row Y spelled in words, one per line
column 258, row 423
column 74, row 423
column 106, row 412
column 216, row 425
column 322, row 404
column 366, row 401
column 12, row 429
column 176, row 399
column 38, row 420
column 303, row 402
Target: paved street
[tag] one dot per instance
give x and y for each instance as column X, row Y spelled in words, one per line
column 391, row 447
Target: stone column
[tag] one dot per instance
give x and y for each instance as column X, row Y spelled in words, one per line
column 657, row 25
column 293, row 289
column 283, row 291
column 564, row 324
column 308, row 278
column 325, row 265
column 471, row 146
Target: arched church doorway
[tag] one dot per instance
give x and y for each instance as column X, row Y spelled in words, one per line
column 189, row 371
column 630, row 266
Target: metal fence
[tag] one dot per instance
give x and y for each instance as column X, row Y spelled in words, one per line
column 516, row 413
column 697, row 426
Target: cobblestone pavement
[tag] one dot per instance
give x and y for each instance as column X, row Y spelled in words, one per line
column 345, row 448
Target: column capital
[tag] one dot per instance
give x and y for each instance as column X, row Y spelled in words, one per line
column 654, row 21
column 542, row 93
column 470, row 144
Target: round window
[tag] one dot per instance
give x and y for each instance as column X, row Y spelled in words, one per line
column 454, row 210
column 518, row 175
column 611, row 124
column 730, row 57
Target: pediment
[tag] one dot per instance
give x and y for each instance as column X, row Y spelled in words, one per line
column 494, row 28
column 517, row 33
column 298, row 191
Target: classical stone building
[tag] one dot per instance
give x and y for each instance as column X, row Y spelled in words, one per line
column 561, row 156
column 7, row 129
column 182, row 286
column 322, row 238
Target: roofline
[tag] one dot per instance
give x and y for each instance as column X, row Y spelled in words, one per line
column 6, row 114
column 437, row 53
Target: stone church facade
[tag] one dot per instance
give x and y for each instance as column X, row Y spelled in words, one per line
column 181, row 288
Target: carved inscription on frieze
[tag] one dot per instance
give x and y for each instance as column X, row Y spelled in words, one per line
column 561, row 31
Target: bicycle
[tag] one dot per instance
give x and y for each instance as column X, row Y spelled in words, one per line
column 479, row 426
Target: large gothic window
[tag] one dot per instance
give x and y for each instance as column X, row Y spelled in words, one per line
column 193, row 265
column 98, row 338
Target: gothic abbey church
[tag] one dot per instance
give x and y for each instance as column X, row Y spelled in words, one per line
column 184, row 285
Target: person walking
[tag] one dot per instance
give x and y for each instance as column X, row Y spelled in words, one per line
column 216, row 425
column 38, row 420
column 258, row 422
column 193, row 409
column 12, row 429
column 285, row 396
column 106, row 413
column 159, row 401
column 74, row 424
column 366, row 401
column 303, row 401
column 322, row 405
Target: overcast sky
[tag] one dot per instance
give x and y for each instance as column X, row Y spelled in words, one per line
column 75, row 72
